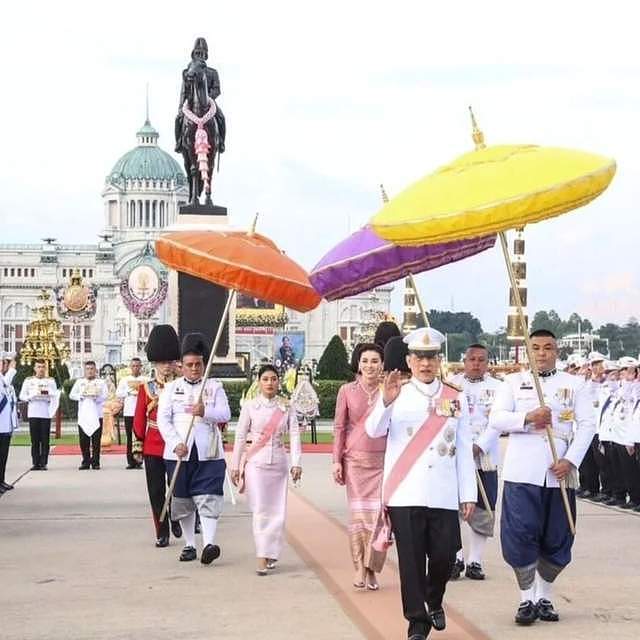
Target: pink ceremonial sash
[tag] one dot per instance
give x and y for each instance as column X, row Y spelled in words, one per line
column 382, row 538
column 268, row 431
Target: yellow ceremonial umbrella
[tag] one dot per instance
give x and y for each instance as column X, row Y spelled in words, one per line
column 491, row 190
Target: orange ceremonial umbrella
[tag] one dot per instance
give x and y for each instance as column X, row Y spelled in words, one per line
column 242, row 261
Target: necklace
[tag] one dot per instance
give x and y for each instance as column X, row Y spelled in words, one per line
column 426, row 393
column 370, row 396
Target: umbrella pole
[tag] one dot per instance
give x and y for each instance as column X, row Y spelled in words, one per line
column 212, row 355
column 425, row 317
column 534, row 372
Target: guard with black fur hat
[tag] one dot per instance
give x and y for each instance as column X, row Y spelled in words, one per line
column 200, row 480
column 163, row 350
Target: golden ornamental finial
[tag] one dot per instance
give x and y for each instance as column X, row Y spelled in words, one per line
column 385, row 197
column 477, row 135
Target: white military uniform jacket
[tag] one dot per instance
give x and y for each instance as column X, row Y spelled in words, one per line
column 480, row 395
column 604, row 416
column 42, row 395
column 90, row 395
column 9, row 411
column 623, row 407
column 174, row 418
column 444, row 475
column 528, row 456
column 127, row 391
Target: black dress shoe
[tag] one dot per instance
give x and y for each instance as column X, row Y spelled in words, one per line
column 417, row 636
column 2, row 489
column 6, row 486
column 600, row 497
column 474, row 571
column 457, row 569
column 43, row 467
column 131, row 466
column 637, row 509
column 35, row 467
column 83, row 467
column 438, row 619
column 546, row 611
column 95, row 466
column 527, row 613
column 580, row 493
column 210, row 553
column 162, row 542
column 188, row 554
column 176, row 529
column 586, row 495
column 613, row 502
column 628, row 505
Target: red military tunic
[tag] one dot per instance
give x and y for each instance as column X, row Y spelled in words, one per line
column 144, row 420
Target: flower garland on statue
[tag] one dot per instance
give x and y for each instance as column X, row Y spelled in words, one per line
column 201, row 142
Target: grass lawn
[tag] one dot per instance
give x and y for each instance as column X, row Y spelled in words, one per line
column 24, row 440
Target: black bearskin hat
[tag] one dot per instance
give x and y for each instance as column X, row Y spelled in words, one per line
column 195, row 344
column 163, row 344
column 386, row 330
column 395, row 355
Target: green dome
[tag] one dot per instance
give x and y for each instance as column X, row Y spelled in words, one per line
column 147, row 161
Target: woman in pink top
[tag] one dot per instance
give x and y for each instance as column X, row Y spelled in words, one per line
column 358, row 462
column 259, row 462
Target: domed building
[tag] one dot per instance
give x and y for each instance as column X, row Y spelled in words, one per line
column 123, row 282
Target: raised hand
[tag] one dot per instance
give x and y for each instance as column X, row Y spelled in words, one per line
column 391, row 387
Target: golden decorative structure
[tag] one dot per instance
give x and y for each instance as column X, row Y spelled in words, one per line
column 44, row 339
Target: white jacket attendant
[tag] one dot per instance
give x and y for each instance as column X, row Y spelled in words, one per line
column 90, row 396
column 42, row 395
column 444, row 475
column 127, row 391
column 174, row 417
column 480, row 396
column 528, row 456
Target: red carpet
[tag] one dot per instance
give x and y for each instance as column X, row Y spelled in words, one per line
column 120, row 449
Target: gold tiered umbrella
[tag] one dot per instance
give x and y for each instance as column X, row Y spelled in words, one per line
column 493, row 189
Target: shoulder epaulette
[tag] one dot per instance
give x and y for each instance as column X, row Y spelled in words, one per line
column 454, row 386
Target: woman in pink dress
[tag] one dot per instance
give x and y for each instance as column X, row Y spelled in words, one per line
column 358, row 462
column 259, row 464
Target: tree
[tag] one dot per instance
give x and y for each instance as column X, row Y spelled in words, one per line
column 334, row 362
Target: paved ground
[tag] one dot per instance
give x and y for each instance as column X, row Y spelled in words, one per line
column 78, row 556
column 77, row 553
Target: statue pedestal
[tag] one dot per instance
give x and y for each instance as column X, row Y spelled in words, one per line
column 197, row 305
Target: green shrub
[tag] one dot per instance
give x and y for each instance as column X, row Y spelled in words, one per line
column 327, row 391
column 334, row 362
column 234, row 391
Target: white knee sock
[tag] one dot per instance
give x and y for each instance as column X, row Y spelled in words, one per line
column 188, row 524
column 544, row 589
column 209, row 526
column 527, row 594
column 476, row 547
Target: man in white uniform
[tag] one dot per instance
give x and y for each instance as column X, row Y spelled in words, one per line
column 8, row 423
column 42, row 394
column 8, row 367
column 534, row 532
column 480, row 389
column 127, row 391
column 200, row 481
column 432, row 481
column 90, row 393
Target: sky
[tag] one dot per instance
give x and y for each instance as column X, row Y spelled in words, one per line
column 325, row 101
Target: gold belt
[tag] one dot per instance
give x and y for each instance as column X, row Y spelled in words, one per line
column 152, row 424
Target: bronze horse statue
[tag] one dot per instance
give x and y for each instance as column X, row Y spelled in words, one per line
column 200, row 137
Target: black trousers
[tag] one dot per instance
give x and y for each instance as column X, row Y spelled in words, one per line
column 629, row 472
column 157, row 481
column 90, row 446
column 602, row 456
column 5, row 439
column 421, row 532
column 589, row 472
column 128, row 427
column 40, row 430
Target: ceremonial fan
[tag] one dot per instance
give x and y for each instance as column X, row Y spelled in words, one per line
column 364, row 261
column 493, row 189
column 243, row 261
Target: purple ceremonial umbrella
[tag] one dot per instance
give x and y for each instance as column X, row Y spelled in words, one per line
column 364, row 261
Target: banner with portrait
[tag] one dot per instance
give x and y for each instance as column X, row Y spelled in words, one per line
column 288, row 349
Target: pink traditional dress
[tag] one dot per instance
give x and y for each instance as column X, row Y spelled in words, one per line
column 362, row 461
column 260, row 456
